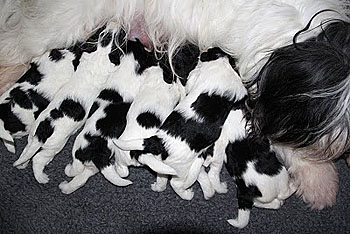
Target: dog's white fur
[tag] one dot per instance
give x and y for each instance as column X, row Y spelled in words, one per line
column 247, row 29
column 84, row 88
column 157, row 97
column 125, row 82
column 54, row 75
column 213, row 77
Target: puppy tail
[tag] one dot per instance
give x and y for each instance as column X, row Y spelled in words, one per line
column 156, row 165
column 7, row 138
column 112, row 176
column 29, row 151
column 136, row 144
column 193, row 172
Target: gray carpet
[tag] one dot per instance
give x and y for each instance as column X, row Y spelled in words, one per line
column 99, row 207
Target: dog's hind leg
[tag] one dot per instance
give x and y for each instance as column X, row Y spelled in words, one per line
column 74, row 168
column 177, row 184
column 112, row 176
column 78, row 181
column 193, row 172
column 242, row 220
column 160, row 184
column 207, row 188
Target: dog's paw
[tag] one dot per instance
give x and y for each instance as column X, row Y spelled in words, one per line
column 42, row 178
column 65, row 187
column 235, row 223
column 158, row 187
column 208, row 193
column 221, row 188
column 186, row 194
column 23, row 165
column 122, row 171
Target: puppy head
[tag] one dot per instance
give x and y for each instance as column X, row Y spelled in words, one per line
column 303, row 98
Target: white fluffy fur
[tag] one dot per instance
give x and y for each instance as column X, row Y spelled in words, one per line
column 84, row 88
column 54, row 76
column 155, row 96
column 125, row 82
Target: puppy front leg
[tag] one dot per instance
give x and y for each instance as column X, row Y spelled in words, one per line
column 75, row 168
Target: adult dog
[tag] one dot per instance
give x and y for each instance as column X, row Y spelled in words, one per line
column 250, row 30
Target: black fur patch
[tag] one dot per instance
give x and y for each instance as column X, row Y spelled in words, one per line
column 155, row 145
column 73, row 109
column 39, row 101
column 106, row 39
column 77, row 51
column 114, row 123
column 111, row 96
column 96, row 151
column 246, row 194
column 11, row 122
column 148, row 120
column 255, row 150
column 32, row 76
column 56, row 55
column 144, row 58
column 56, row 114
column 216, row 53
column 44, row 130
column 92, row 110
column 18, row 96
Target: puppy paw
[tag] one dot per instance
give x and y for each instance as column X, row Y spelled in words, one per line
column 65, row 187
column 23, row 165
column 221, row 188
column 235, row 223
column 42, row 178
column 187, row 194
column 208, row 193
column 122, row 171
column 157, row 187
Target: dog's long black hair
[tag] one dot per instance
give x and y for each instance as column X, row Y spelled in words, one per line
column 303, row 93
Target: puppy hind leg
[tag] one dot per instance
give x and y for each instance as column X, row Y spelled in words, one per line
column 177, row 184
column 74, row 168
column 214, row 177
column 78, row 181
column 207, row 188
column 40, row 160
column 112, row 176
column 160, row 184
column 193, row 172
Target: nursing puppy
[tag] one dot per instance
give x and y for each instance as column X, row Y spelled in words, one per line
column 93, row 149
column 21, row 105
column 261, row 180
column 68, row 111
column 157, row 98
column 196, row 121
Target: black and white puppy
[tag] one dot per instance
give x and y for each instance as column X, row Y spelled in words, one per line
column 68, row 111
column 196, row 121
column 261, row 180
column 160, row 93
column 30, row 95
column 93, row 149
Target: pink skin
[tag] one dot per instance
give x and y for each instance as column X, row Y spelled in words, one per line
column 9, row 76
column 137, row 31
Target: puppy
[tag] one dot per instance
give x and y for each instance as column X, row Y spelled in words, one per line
column 196, row 121
column 260, row 178
column 150, row 108
column 93, row 149
column 31, row 94
column 68, row 111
